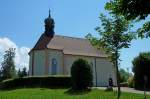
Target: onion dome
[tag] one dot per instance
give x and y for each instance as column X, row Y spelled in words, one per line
column 49, row 26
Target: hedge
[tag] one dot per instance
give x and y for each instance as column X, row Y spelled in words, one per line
column 31, row 82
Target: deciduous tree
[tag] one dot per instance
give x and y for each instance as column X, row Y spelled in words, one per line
column 114, row 35
column 8, row 66
column 141, row 67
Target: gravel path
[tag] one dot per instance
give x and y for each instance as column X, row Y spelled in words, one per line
column 126, row 89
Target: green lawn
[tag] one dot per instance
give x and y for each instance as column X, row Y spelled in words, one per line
column 42, row 93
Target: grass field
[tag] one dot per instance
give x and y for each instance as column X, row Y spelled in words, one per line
column 42, row 93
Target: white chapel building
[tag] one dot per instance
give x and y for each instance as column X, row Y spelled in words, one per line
column 55, row 54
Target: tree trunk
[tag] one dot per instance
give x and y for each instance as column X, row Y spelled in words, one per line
column 117, row 74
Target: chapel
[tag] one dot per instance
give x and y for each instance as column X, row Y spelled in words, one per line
column 54, row 55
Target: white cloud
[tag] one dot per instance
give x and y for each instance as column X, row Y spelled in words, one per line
column 21, row 58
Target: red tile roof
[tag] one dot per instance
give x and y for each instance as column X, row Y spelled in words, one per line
column 69, row 45
column 42, row 42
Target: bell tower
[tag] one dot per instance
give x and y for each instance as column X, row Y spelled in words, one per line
column 49, row 26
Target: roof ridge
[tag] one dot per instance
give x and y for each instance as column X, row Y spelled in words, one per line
column 70, row 37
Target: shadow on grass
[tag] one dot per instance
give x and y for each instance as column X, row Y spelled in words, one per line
column 77, row 92
column 142, row 89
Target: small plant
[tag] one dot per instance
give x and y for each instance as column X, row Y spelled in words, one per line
column 109, row 89
column 81, row 75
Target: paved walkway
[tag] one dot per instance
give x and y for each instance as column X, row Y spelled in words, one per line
column 126, row 89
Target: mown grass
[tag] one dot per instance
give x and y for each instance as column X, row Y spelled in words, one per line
column 43, row 93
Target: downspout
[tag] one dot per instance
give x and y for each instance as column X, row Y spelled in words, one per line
column 63, row 63
column 46, row 62
column 33, row 64
column 95, row 72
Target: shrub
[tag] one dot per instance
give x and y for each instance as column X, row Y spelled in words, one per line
column 47, row 82
column 81, row 74
column 123, row 75
column 109, row 89
column 141, row 67
column 131, row 82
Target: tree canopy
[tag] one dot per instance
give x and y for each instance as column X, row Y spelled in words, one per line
column 132, row 10
column 113, row 34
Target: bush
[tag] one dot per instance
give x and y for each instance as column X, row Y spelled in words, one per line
column 131, row 82
column 109, row 89
column 81, row 74
column 141, row 67
column 31, row 82
column 123, row 75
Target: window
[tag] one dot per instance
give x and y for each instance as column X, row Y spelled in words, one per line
column 54, row 66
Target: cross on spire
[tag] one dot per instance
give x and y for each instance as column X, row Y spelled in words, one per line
column 49, row 13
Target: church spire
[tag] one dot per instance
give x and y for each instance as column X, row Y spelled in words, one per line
column 49, row 26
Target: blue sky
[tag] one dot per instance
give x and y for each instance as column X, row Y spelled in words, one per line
column 22, row 22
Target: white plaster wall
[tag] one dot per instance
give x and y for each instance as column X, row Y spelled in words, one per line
column 59, row 57
column 39, row 63
column 30, row 64
column 105, row 70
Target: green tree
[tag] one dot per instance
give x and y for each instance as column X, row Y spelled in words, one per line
column 114, row 35
column 93, row 40
column 8, row 66
column 141, row 67
column 124, row 75
column 22, row 73
column 132, row 10
column 81, row 74
column 19, row 73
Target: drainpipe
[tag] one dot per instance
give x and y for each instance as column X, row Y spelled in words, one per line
column 33, row 63
column 95, row 72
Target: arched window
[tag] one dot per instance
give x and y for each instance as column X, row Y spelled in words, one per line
column 54, row 66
